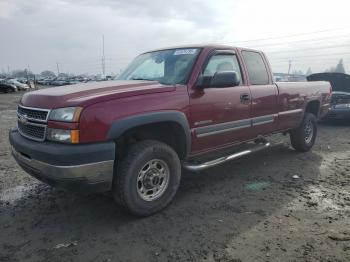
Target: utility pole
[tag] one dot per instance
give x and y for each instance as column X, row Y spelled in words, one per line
column 28, row 69
column 103, row 57
column 58, row 69
column 28, row 83
column 289, row 67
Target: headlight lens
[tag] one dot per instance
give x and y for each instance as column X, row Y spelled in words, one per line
column 67, row 114
column 61, row 135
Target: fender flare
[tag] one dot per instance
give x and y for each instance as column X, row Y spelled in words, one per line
column 311, row 101
column 120, row 126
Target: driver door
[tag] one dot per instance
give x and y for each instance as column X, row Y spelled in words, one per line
column 219, row 115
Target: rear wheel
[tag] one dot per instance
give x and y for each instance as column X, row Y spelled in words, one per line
column 147, row 178
column 303, row 137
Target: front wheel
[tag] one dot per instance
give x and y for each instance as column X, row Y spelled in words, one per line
column 303, row 137
column 147, row 178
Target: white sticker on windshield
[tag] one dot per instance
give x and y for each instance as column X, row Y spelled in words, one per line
column 185, row 52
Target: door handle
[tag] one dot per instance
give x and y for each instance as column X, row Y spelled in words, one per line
column 245, row 98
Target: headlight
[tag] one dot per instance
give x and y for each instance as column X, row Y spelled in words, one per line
column 68, row 114
column 61, row 135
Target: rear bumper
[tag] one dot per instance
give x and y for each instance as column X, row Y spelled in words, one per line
column 83, row 168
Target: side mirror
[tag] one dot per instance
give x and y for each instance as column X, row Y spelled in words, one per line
column 203, row 81
column 220, row 79
column 225, row 79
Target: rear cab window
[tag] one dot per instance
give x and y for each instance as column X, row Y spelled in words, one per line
column 256, row 68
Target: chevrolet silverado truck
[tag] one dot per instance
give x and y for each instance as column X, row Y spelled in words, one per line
column 174, row 109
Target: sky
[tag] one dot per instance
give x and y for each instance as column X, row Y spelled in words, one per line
column 40, row 34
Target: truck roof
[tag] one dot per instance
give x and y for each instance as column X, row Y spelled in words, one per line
column 203, row 46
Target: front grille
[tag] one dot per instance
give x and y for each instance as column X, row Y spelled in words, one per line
column 32, row 131
column 340, row 100
column 32, row 122
column 331, row 114
column 33, row 114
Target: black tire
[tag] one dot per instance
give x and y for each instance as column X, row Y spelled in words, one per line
column 126, row 183
column 301, row 138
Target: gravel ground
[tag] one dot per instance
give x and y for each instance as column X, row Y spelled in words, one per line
column 247, row 210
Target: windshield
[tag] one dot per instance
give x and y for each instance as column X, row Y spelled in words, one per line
column 168, row 67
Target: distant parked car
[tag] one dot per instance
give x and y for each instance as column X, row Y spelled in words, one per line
column 340, row 102
column 60, row 82
column 22, row 80
column 73, row 82
column 19, row 85
column 46, row 81
column 6, row 88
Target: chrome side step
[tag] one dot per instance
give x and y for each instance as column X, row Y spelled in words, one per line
column 221, row 160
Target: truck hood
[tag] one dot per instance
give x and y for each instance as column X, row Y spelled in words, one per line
column 90, row 93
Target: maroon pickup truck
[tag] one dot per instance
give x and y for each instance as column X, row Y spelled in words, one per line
column 170, row 109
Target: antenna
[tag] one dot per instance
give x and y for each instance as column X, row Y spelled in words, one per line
column 103, row 56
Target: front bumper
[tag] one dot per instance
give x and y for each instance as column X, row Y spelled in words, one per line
column 338, row 114
column 83, row 168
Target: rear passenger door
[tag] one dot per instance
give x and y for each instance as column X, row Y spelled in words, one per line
column 263, row 93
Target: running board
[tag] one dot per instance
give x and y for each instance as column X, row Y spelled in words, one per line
column 221, row 160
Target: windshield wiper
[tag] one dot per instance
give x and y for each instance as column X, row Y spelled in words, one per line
column 145, row 79
column 140, row 78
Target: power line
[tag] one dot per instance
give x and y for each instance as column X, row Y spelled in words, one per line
column 307, row 49
column 301, row 41
column 309, row 60
column 302, row 63
column 305, row 62
column 122, row 62
column 314, row 55
column 270, row 55
column 287, row 36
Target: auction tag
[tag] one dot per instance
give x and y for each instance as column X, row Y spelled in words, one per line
column 185, row 51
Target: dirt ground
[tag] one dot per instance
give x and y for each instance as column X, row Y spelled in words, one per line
column 247, row 210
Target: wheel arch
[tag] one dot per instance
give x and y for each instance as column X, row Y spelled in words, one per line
column 170, row 127
column 313, row 107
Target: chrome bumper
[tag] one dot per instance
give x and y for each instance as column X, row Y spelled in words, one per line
column 85, row 168
column 92, row 177
column 93, row 171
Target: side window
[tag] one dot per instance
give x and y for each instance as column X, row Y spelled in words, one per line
column 222, row 63
column 257, row 72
